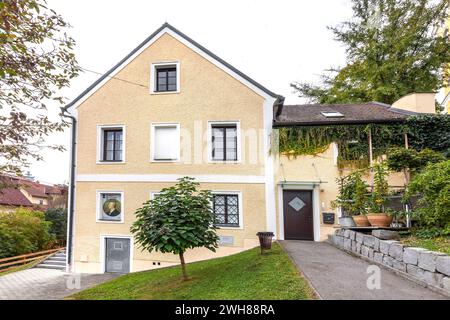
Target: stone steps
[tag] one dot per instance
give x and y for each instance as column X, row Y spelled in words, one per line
column 56, row 261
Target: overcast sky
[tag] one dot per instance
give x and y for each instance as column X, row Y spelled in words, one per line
column 273, row 42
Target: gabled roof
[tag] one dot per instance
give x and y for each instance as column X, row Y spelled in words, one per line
column 13, row 197
column 170, row 28
column 10, row 194
column 11, row 188
column 34, row 189
column 357, row 113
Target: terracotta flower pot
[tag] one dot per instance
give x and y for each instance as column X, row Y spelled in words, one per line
column 379, row 220
column 361, row 221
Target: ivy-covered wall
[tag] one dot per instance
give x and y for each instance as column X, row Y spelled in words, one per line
column 430, row 131
column 424, row 131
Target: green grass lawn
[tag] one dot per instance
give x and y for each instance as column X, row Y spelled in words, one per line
column 440, row 244
column 246, row 275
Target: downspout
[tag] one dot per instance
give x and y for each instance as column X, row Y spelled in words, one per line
column 71, row 189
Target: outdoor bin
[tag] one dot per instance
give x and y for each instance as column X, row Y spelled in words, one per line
column 265, row 240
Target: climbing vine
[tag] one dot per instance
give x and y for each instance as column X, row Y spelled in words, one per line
column 351, row 140
column 430, row 131
column 425, row 131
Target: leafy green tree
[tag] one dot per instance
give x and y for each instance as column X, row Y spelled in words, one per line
column 36, row 62
column 23, row 231
column 434, row 204
column 392, row 49
column 178, row 218
column 58, row 219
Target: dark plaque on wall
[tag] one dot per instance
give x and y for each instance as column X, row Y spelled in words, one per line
column 328, row 217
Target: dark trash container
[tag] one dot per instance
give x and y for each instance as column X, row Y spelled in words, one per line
column 265, row 240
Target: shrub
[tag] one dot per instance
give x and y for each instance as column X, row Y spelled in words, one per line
column 23, row 231
column 433, row 232
column 400, row 159
column 428, row 156
column 352, row 197
column 380, row 188
column 433, row 184
column 58, row 218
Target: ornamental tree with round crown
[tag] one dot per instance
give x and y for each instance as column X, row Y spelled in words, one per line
column 178, row 218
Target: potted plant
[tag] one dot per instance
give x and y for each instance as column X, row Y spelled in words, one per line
column 352, row 199
column 377, row 215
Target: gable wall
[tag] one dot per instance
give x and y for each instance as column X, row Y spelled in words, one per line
column 207, row 93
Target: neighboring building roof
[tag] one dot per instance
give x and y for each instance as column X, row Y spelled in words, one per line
column 179, row 33
column 325, row 114
column 34, row 189
column 13, row 197
column 11, row 194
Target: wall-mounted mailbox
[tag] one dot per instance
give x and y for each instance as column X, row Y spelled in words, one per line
column 328, row 217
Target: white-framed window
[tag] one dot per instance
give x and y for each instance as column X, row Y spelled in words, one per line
column 110, row 206
column 227, row 206
column 224, row 141
column 110, row 144
column 165, row 77
column 165, row 142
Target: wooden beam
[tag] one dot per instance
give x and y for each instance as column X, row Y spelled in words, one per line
column 405, row 135
column 370, row 147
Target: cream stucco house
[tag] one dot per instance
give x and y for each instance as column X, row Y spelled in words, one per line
column 171, row 108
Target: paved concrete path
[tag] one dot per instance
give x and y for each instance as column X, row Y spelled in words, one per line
column 46, row 284
column 337, row 275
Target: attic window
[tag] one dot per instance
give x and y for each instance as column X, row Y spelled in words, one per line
column 165, row 77
column 332, row 114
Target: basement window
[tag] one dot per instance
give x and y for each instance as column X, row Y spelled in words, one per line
column 332, row 114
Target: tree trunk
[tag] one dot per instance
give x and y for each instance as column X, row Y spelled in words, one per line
column 183, row 266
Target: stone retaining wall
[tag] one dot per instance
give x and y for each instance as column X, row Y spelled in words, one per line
column 432, row 268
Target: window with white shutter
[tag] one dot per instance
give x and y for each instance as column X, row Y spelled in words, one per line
column 165, row 142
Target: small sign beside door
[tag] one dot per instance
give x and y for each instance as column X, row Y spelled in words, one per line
column 328, row 217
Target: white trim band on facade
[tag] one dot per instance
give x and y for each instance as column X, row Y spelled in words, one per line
column 169, row 178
